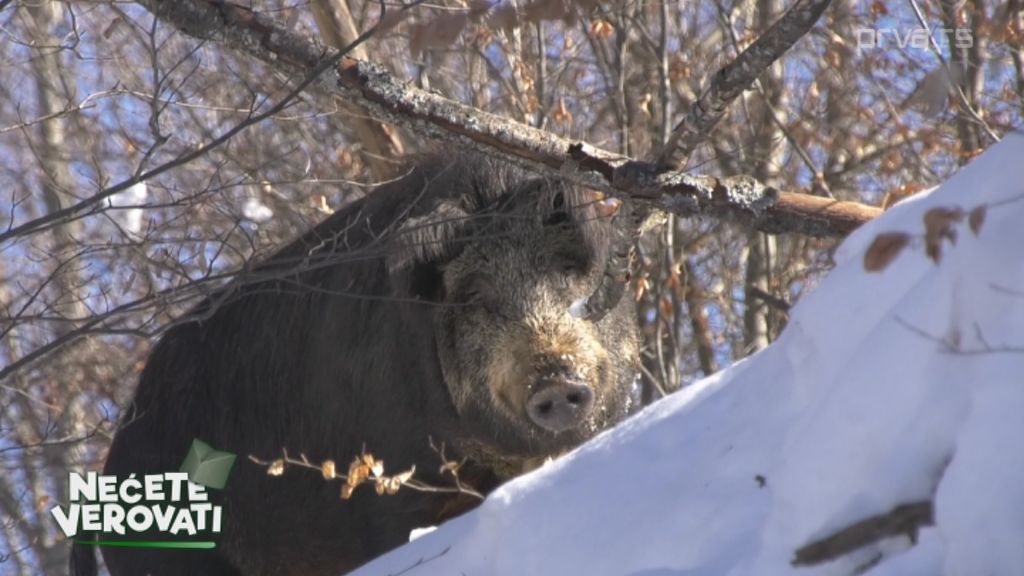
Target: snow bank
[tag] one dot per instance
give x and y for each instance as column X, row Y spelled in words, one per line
column 887, row 388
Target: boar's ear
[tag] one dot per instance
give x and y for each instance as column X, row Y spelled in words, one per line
column 421, row 245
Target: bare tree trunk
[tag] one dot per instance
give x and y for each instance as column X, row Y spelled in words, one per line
column 967, row 66
column 768, row 150
column 381, row 144
column 757, row 325
column 54, row 90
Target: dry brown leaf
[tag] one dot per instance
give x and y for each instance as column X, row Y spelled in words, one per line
column 357, row 472
column 346, row 491
column 884, row 249
column 404, row 477
column 562, row 115
column 977, row 218
column 276, row 467
column 938, row 224
column 379, row 487
column 375, row 466
column 899, row 193
column 678, row 68
column 673, row 282
column 641, row 287
column 834, row 59
column 602, row 29
column 665, row 304
column 328, row 470
column 320, row 203
column 938, row 220
column 645, row 104
column 532, row 102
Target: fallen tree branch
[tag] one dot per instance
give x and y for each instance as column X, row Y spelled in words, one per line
column 903, row 520
column 439, row 118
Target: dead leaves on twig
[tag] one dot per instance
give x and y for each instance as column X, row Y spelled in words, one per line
column 367, row 469
column 940, row 225
column 364, row 468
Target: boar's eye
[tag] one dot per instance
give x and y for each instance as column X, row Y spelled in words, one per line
column 559, row 214
column 569, row 263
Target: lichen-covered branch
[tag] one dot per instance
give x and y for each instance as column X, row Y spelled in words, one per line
column 436, row 117
column 729, row 82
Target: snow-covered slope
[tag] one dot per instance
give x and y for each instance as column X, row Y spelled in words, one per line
column 887, row 388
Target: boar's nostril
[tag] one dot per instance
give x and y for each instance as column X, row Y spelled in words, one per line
column 560, row 406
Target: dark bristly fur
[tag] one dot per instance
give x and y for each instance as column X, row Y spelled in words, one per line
column 429, row 310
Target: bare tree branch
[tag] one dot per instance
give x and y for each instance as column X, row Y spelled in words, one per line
column 439, row 118
column 729, row 82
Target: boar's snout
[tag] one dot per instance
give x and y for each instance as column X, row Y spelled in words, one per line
column 558, row 404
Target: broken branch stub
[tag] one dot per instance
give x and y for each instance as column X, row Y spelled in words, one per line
column 626, row 230
column 647, row 184
column 631, row 221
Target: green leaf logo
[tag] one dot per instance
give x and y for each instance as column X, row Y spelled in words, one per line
column 207, row 466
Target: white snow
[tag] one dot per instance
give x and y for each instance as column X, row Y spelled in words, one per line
column 885, row 389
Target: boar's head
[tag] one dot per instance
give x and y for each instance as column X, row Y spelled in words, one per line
column 510, row 259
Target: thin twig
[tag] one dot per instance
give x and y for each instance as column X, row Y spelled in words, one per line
column 275, row 467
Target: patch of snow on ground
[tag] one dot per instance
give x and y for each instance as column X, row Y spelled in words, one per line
column 885, row 389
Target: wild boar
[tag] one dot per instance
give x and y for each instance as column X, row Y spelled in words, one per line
column 442, row 309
